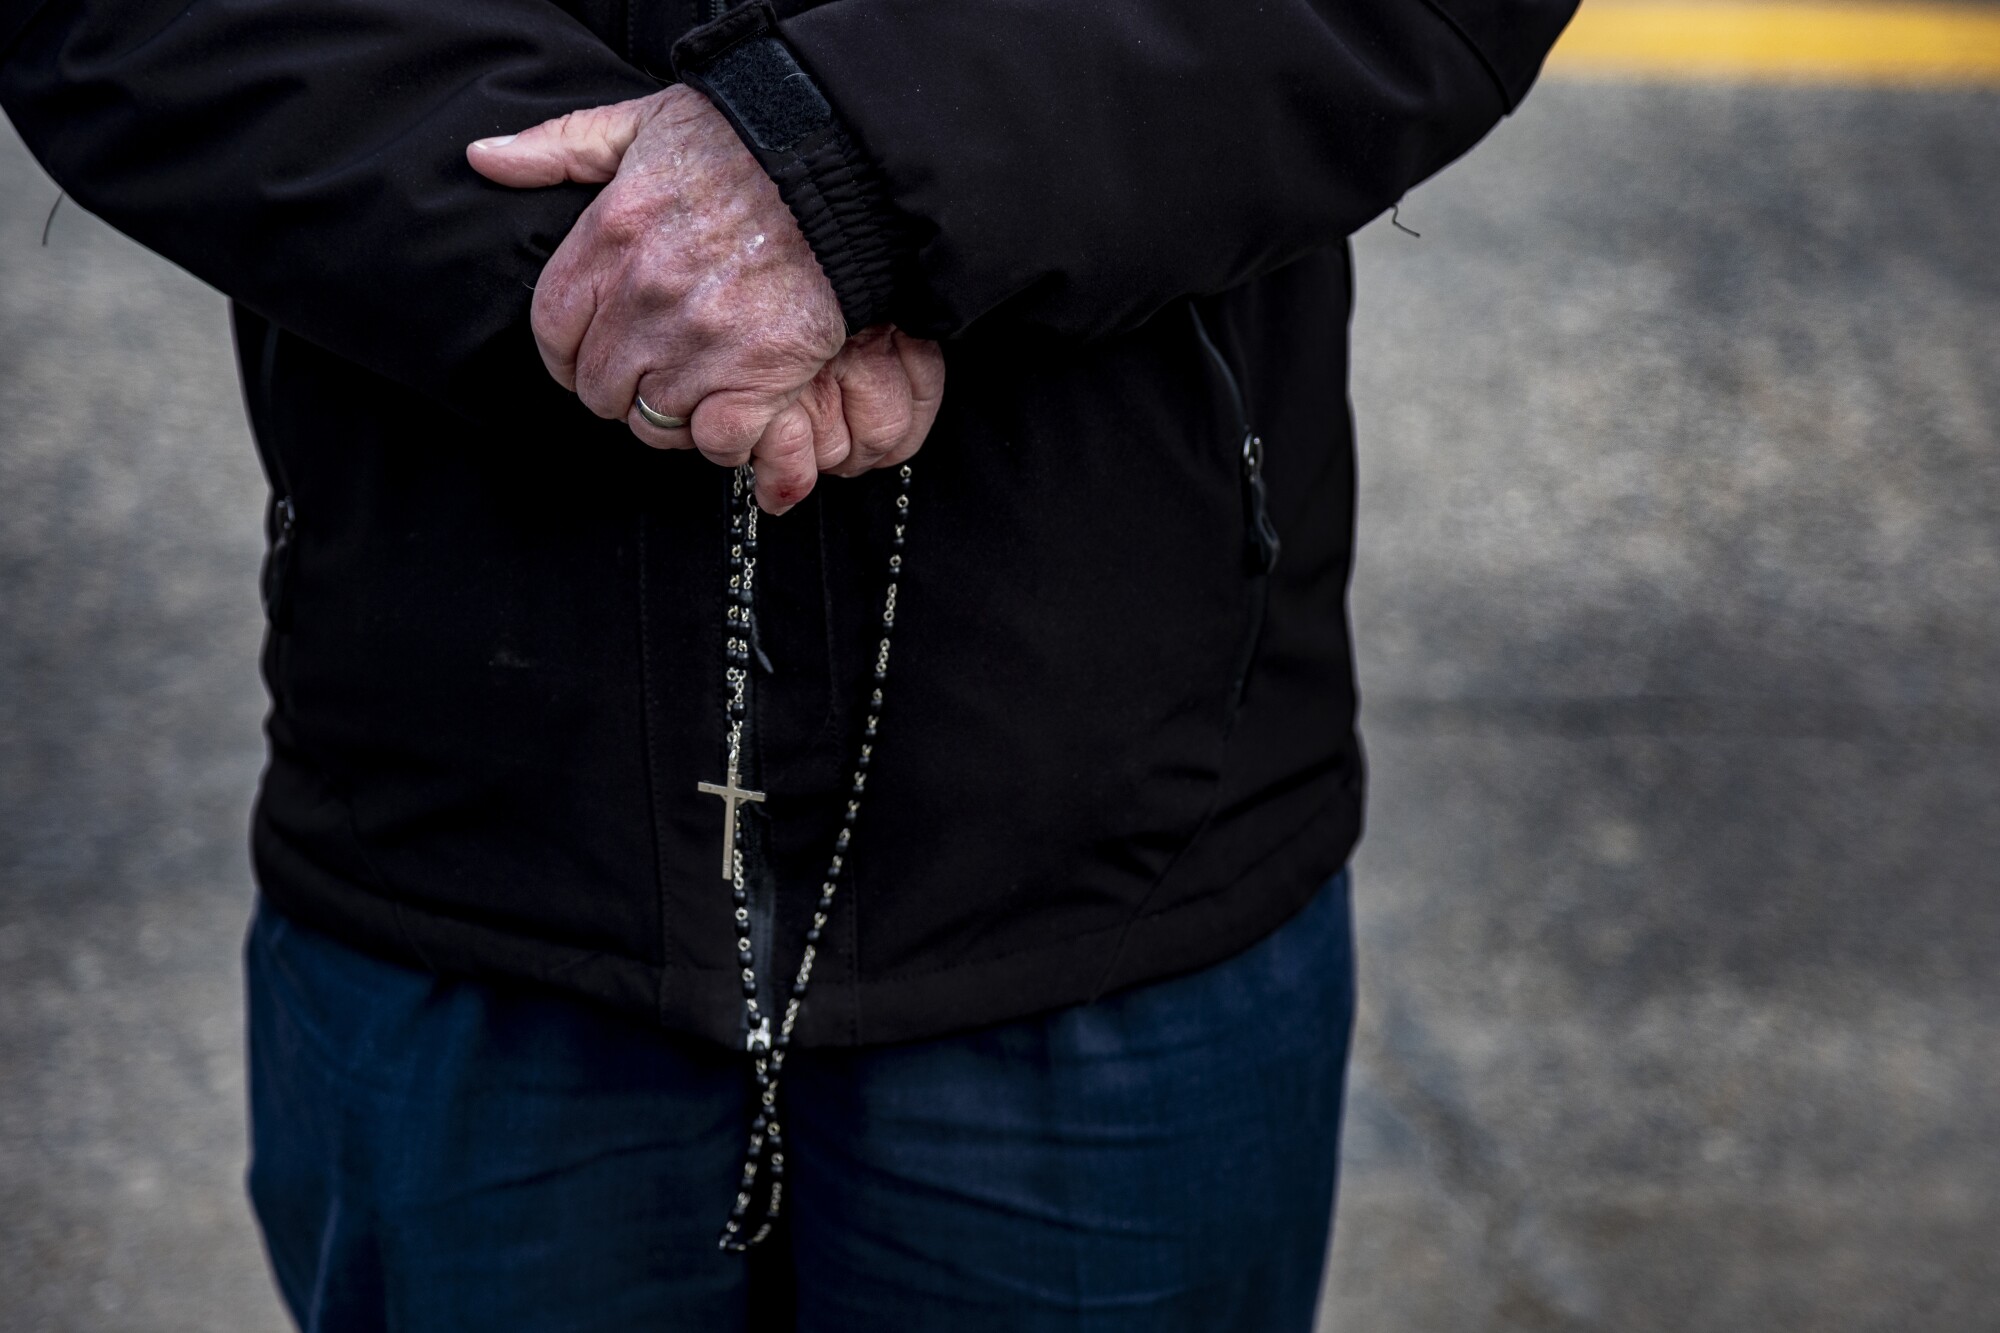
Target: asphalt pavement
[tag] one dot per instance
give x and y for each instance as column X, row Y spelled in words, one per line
column 1679, row 623
column 1679, row 620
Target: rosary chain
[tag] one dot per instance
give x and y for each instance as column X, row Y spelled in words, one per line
column 765, row 1153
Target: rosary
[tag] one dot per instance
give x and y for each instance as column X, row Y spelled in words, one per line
column 765, row 1156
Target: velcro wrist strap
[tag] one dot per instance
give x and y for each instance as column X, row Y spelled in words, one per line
column 741, row 63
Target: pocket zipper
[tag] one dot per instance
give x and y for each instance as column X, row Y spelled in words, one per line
column 1260, row 535
column 1260, row 541
column 283, row 521
column 278, row 562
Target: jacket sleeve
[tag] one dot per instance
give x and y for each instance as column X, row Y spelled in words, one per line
column 307, row 157
column 1077, row 164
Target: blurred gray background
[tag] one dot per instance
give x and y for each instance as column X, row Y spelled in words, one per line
column 1679, row 620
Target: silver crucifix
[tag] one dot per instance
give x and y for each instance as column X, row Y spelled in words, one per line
column 730, row 794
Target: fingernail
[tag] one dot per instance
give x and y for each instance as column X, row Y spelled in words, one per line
column 499, row 141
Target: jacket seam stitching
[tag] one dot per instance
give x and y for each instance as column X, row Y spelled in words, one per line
column 20, row 29
column 1478, row 51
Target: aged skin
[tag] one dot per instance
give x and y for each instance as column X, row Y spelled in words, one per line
column 687, row 281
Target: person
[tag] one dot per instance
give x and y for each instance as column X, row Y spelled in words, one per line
column 1022, row 997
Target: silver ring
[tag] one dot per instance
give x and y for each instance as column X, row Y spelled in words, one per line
column 660, row 419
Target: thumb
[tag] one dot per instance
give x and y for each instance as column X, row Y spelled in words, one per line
column 585, row 145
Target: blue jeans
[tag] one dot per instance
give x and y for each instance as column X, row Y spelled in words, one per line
column 434, row 1155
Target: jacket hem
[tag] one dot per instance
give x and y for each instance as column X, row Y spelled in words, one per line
column 1185, row 937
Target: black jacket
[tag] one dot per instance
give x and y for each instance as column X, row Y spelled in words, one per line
column 1119, row 740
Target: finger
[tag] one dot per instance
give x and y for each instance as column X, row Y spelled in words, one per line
column 610, row 361
column 656, row 392
column 822, row 402
column 875, row 399
column 785, row 470
column 585, row 145
column 728, row 424
column 923, row 364
column 565, row 304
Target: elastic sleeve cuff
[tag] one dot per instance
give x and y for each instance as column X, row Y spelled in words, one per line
column 742, row 64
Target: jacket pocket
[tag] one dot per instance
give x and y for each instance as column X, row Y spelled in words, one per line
column 1261, row 545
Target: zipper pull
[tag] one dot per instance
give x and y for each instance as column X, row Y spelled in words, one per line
column 1260, row 546
column 278, row 562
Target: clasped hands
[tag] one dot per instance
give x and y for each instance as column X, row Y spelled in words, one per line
column 687, row 282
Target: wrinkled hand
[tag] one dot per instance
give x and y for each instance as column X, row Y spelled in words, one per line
column 688, row 281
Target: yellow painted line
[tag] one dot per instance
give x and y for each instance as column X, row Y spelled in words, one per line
column 1910, row 45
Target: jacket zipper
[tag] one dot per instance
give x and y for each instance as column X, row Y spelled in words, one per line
column 284, row 523
column 1260, row 545
column 1260, row 536
column 760, row 881
column 282, row 529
